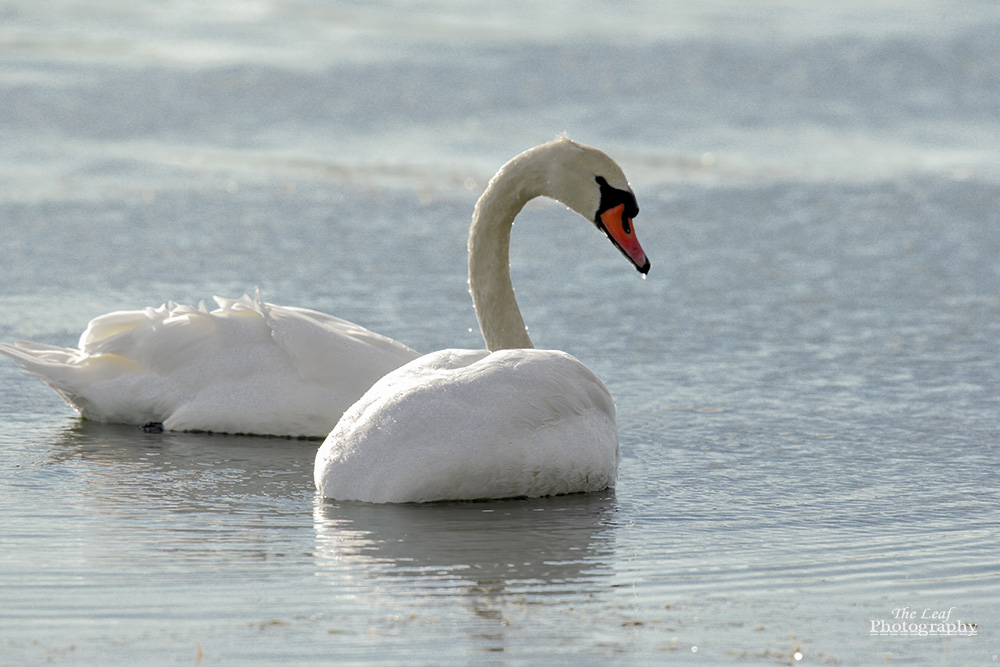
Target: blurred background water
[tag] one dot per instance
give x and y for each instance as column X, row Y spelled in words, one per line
column 807, row 383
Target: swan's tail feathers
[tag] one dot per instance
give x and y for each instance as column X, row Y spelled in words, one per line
column 61, row 365
column 48, row 363
column 70, row 373
column 37, row 358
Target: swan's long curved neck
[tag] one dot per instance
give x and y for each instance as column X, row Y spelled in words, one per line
column 500, row 320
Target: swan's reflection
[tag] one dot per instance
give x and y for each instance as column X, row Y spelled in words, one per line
column 125, row 459
column 493, row 554
column 171, row 497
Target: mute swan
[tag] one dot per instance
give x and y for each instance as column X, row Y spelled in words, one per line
column 246, row 367
column 511, row 420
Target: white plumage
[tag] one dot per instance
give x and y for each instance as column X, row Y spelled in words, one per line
column 473, row 424
column 246, row 367
column 468, row 424
column 455, row 424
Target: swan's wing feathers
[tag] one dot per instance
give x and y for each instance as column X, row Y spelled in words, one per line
column 134, row 343
column 157, row 339
column 246, row 366
column 321, row 346
column 532, row 388
column 463, row 424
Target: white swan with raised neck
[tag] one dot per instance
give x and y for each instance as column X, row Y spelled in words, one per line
column 508, row 421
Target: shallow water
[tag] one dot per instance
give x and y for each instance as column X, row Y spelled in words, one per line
column 807, row 382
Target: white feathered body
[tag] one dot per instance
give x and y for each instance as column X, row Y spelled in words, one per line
column 246, row 367
column 465, row 425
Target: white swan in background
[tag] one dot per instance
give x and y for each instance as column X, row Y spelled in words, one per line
column 246, row 367
column 505, row 422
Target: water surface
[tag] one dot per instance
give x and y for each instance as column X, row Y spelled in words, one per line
column 807, row 382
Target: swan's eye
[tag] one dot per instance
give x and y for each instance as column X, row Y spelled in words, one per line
column 612, row 197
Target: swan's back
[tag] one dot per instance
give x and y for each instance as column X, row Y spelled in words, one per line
column 464, row 425
column 246, row 367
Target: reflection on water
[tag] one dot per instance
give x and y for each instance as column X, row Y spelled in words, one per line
column 494, row 559
column 168, row 497
column 222, row 537
column 183, row 469
column 548, row 540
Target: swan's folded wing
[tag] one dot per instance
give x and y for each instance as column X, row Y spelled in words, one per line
column 463, row 424
column 157, row 339
column 322, row 346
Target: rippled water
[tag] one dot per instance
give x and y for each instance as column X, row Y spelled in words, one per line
column 807, row 382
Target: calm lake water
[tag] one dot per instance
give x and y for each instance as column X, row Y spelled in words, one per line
column 808, row 382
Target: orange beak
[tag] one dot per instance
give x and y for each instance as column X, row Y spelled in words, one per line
column 618, row 227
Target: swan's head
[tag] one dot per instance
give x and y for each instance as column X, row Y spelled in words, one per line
column 592, row 184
